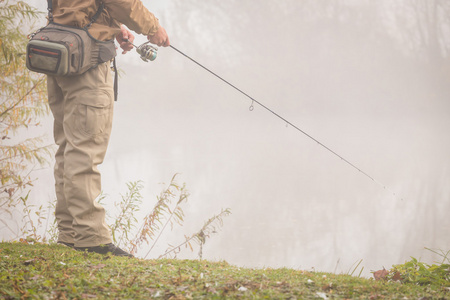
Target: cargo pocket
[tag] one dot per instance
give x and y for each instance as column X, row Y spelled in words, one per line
column 95, row 117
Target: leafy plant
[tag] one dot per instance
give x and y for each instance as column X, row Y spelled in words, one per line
column 33, row 219
column 51, row 228
column 161, row 215
column 126, row 221
column 415, row 271
column 29, row 225
column 166, row 213
column 206, row 231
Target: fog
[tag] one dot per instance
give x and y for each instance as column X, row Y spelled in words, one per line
column 368, row 79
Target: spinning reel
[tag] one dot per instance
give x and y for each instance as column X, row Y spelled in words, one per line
column 146, row 51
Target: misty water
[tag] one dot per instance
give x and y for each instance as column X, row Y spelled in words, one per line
column 368, row 79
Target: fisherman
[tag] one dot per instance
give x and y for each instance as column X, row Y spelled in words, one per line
column 82, row 107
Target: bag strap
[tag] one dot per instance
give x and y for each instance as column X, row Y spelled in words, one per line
column 50, row 10
column 93, row 19
column 116, row 79
column 97, row 14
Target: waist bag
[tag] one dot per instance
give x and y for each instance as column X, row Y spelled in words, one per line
column 62, row 50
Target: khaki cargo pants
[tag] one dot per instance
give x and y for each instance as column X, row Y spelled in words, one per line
column 82, row 107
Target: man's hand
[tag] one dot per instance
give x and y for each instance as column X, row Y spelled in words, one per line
column 125, row 38
column 160, row 38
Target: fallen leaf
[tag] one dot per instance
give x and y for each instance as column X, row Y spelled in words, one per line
column 327, row 287
column 381, row 274
column 397, row 277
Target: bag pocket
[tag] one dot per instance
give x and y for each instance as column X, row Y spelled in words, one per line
column 107, row 51
column 48, row 57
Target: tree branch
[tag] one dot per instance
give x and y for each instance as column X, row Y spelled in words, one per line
column 23, row 97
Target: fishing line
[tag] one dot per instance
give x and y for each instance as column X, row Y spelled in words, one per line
column 287, row 121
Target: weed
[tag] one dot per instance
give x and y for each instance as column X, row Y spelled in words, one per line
column 206, row 231
column 126, row 220
column 51, row 227
column 31, row 224
column 153, row 221
column 441, row 253
column 417, row 272
column 166, row 213
column 355, row 268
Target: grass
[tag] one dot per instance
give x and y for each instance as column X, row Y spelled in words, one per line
column 57, row 272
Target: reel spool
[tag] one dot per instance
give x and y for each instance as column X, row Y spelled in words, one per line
column 147, row 52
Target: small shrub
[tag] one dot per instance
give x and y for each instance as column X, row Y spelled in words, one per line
column 166, row 213
column 417, row 272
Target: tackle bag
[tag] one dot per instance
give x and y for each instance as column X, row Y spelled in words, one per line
column 62, row 50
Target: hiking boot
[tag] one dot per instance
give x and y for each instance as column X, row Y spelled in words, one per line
column 70, row 245
column 104, row 249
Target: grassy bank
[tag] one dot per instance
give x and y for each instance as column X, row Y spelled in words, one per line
column 58, row 272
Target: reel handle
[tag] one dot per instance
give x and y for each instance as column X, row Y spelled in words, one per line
column 145, row 50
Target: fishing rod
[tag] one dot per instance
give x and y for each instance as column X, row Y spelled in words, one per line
column 147, row 52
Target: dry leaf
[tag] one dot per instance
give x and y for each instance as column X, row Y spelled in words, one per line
column 397, row 277
column 381, row 274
